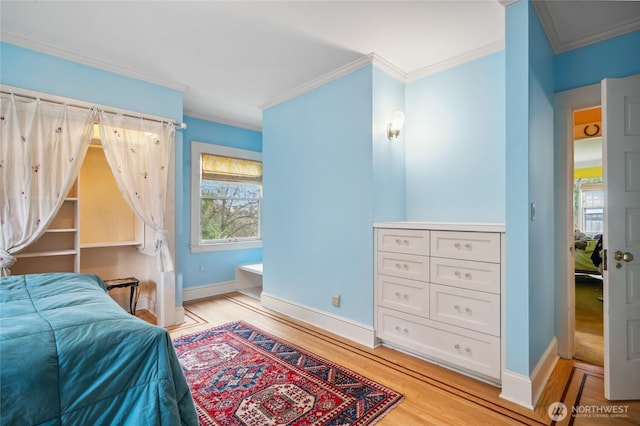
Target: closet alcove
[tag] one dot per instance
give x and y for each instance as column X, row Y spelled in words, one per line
column 95, row 231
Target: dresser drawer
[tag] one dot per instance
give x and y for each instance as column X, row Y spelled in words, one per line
column 482, row 276
column 480, row 246
column 404, row 241
column 403, row 295
column 470, row 350
column 474, row 310
column 404, row 266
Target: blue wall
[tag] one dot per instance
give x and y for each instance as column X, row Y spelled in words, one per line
column 28, row 69
column 210, row 267
column 530, row 292
column 388, row 157
column 318, row 197
column 616, row 57
column 517, row 188
column 455, row 144
column 542, row 229
column 33, row 70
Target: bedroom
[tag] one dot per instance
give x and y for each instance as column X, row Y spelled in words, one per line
column 498, row 177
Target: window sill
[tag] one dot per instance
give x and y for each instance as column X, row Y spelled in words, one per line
column 237, row 245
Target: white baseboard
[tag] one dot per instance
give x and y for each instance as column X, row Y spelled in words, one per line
column 208, row 290
column 352, row 330
column 525, row 390
column 178, row 316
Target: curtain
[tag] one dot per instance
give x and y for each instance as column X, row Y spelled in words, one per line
column 138, row 152
column 42, row 146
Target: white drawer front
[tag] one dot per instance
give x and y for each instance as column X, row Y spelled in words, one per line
column 481, row 246
column 472, row 351
column 404, row 241
column 482, row 276
column 403, row 295
column 474, row 310
column 404, row 266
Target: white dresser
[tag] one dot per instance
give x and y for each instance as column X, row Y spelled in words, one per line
column 438, row 293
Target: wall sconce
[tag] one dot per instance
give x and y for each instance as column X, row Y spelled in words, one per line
column 393, row 128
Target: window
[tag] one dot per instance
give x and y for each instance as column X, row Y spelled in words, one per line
column 589, row 205
column 226, row 198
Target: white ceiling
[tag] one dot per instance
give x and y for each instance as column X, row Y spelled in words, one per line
column 233, row 57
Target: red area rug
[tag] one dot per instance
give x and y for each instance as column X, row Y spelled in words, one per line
column 240, row 375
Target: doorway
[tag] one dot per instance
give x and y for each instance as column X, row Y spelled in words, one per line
column 588, row 219
column 621, row 159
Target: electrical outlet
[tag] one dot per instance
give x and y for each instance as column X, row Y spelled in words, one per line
column 335, row 299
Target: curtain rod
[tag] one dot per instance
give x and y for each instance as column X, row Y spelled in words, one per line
column 158, row 120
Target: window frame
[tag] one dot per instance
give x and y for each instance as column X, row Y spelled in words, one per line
column 197, row 245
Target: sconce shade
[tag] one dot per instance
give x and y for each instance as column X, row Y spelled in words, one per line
column 393, row 128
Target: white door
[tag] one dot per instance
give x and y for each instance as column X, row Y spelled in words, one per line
column 621, row 237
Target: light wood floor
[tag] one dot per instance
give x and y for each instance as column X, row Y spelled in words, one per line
column 432, row 395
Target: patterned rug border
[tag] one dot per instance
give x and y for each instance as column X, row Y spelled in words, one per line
column 370, row 418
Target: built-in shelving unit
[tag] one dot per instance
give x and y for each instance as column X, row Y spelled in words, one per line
column 94, row 231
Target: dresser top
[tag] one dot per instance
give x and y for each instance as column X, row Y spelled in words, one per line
column 443, row 226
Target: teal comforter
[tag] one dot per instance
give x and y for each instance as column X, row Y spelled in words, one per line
column 69, row 355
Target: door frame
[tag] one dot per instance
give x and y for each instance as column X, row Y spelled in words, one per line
column 565, row 104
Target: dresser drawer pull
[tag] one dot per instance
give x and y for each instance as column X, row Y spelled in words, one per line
column 402, row 266
column 402, row 296
column 402, row 330
column 402, row 242
column 467, row 349
column 458, row 307
column 466, row 246
column 461, row 276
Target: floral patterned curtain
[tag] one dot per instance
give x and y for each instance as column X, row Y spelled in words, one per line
column 138, row 152
column 42, row 146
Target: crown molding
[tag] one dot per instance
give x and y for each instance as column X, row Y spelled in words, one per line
column 85, row 60
column 547, row 24
column 370, row 59
column 596, row 38
column 320, row 81
column 388, row 67
column 224, row 121
column 506, row 3
column 456, row 60
column 560, row 47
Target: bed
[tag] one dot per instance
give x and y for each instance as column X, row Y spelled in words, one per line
column 71, row 356
column 582, row 254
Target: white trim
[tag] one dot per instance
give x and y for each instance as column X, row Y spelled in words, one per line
column 526, row 391
column 92, row 62
column 547, row 24
column 559, row 47
column 222, row 121
column 320, row 81
column 198, row 148
column 456, row 60
column 352, row 330
column 225, row 246
column 381, row 63
column 444, row 226
column 208, row 290
column 543, row 370
column 178, row 316
column 516, row 388
column 388, row 67
column 506, row 3
column 565, row 104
